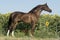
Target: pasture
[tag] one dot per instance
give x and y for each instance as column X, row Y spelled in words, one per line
column 27, row 38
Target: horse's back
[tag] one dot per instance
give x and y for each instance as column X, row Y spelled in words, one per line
column 17, row 13
column 14, row 14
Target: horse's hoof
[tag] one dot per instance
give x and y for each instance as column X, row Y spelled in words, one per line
column 7, row 35
column 31, row 35
column 13, row 36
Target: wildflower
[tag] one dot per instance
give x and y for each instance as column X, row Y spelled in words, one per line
column 47, row 23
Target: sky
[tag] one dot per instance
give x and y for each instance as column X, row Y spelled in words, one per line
column 7, row 6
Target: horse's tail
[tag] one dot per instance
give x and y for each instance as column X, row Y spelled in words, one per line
column 9, row 21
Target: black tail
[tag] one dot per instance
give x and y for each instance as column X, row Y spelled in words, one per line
column 9, row 22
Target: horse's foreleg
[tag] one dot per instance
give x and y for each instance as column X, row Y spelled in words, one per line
column 32, row 29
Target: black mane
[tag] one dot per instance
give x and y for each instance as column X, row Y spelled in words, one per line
column 38, row 6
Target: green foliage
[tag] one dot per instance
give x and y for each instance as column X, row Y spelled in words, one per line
column 50, row 31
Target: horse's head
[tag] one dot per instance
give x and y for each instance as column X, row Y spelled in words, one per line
column 46, row 8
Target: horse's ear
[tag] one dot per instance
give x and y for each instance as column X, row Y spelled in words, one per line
column 45, row 4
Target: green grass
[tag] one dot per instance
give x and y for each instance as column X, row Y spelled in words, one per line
column 26, row 38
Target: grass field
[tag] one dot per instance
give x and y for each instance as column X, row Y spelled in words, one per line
column 27, row 38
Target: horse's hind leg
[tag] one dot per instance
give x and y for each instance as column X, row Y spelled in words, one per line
column 14, row 28
column 11, row 28
column 8, row 32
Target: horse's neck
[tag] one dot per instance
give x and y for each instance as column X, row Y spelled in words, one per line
column 37, row 13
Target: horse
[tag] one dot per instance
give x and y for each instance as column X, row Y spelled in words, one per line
column 30, row 17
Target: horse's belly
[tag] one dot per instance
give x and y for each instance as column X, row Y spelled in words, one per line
column 26, row 19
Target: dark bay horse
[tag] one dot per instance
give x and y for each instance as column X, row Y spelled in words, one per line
column 31, row 17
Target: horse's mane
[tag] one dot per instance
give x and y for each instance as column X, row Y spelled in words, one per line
column 38, row 6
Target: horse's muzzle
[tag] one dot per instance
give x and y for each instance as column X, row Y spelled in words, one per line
column 50, row 11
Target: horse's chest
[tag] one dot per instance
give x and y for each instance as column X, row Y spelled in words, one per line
column 34, row 19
